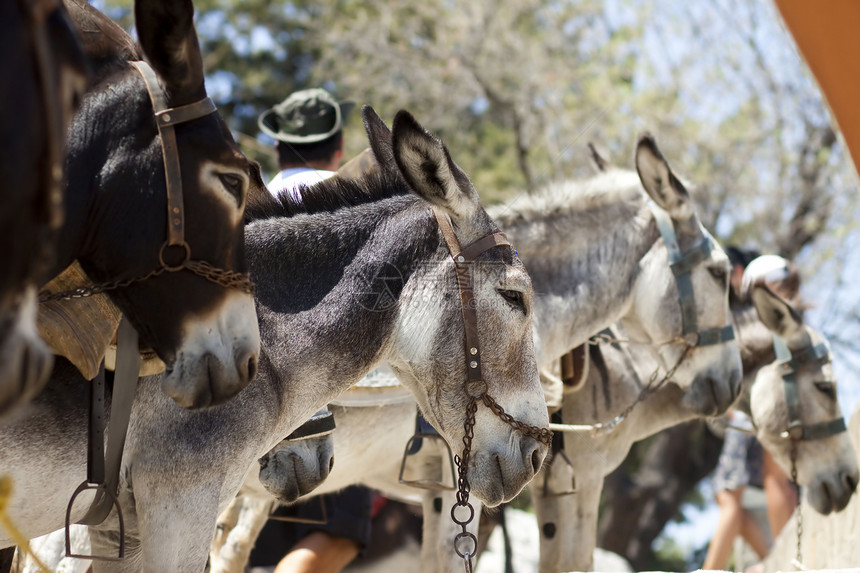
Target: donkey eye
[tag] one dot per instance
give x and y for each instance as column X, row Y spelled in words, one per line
column 826, row 388
column 233, row 183
column 514, row 297
column 719, row 274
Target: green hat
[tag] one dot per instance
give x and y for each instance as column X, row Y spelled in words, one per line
column 306, row 116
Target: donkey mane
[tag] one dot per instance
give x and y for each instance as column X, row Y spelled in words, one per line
column 326, row 196
column 565, row 197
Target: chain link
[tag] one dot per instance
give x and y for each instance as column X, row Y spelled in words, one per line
column 799, row 519
column 227, row 279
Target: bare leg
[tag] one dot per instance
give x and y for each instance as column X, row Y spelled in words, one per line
column 753, row 533
column 319, row 552
column 728, row 527
column 780, row 494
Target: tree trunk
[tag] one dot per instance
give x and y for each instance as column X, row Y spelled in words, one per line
column 637, row 505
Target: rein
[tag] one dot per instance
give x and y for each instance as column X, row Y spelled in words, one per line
column 475, row 386
column 166, row 118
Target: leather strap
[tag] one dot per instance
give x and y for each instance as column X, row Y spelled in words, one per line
column 789, row 363
column 321, row 424
column 110, row 460
column 682, row 264
column 166, row 119
column 574, row 366
column 463, row 258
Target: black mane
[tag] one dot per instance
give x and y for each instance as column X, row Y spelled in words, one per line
column 328, row 195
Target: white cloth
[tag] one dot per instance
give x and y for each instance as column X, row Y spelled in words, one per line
column 770, row 268
column 291, row 179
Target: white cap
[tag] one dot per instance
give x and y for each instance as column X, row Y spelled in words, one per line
column 770, row 268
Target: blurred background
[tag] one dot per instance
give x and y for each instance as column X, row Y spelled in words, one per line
column 518, row 88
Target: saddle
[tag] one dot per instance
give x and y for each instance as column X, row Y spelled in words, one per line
column 83, row 330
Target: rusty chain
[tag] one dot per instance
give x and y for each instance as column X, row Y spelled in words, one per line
column 543, row 435
column 227, row 279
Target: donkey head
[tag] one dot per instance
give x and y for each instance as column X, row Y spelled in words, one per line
column 825, row 460
column 45, row 73
column 698, row 340
column 204, row 331
column 428, row 352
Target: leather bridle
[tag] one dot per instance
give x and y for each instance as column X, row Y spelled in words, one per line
column 166, row 118
column 475, row 385
column 788, row 363
column 682, row 264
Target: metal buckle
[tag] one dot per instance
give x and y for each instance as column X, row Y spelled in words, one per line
column 552, row 468
column 413, row 446
column 104, row 491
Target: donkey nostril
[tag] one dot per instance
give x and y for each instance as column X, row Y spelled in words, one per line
column 536, row 460
column 331, row 463
column 252, row 367
column 850, row 482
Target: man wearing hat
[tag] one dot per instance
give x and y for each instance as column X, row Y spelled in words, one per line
column 308, row 127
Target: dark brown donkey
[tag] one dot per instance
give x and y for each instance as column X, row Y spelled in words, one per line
column 170, row 254
column 43, row 71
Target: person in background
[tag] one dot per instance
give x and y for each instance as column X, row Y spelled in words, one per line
column 743, row 461
column 308, row 129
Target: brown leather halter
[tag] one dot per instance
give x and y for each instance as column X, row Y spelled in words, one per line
column 166, row 119
column 476, row 387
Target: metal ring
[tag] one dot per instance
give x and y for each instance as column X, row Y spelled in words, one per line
column 184, row 260
column 454, row 515
column 462, row 535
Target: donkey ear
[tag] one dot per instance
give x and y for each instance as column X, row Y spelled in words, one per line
column 426, row 165
column 379, row 137
column 659, row 181
column 599, row 163
column 776, row 314
column 169, row 41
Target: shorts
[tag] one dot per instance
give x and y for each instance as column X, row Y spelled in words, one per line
column 348, row 516
column 740, row 462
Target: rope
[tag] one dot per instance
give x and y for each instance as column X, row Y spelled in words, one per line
column 20, row 540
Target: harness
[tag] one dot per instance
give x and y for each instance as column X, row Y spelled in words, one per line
column 788, row 364
column 166, row 119
column 103, row 466
column 812, row 356
column 682, row 264
column 475, row 386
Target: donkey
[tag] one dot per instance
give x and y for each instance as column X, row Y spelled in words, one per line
column 44, row 71
column 597, row 255
column 117, row 201
column 317, row 269
column 569, row 523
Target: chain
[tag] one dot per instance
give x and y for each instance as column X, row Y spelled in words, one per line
column 227, row 279
column 543, row 435
column 463, row 487
column 798, row 560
